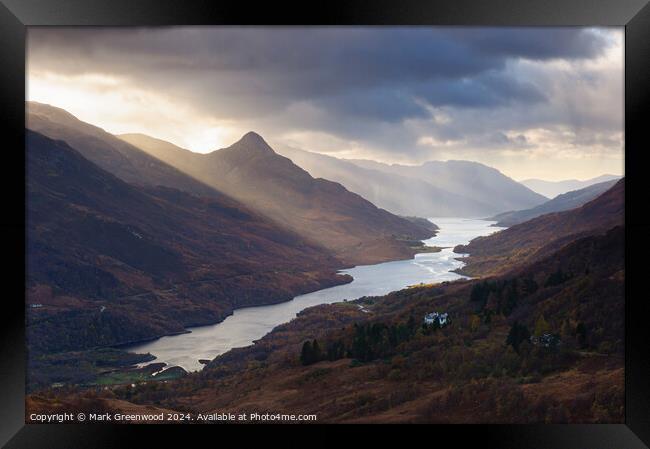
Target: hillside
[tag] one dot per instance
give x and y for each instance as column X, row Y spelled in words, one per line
column 534, row 239
column 383, row 365
column 482, row 184
column 109, row 262
column 323, row 211
column 551, row 189
column 565, row 201
column 110, row 153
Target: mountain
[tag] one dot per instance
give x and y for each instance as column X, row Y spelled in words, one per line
column 108, row 152
column 531, row 240
column 110, row 262
column 565, row 201
column 551, row 189
column 402, row 195
column 323, row 211
column 480, row 183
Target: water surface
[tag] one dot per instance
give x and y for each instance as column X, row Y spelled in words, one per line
column 252, row 323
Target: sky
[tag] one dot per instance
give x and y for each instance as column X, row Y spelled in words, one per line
column 532, row 102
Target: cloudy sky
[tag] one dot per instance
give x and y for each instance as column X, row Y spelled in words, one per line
column 532, row 102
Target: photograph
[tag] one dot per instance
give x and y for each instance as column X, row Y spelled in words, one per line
column 325, row 224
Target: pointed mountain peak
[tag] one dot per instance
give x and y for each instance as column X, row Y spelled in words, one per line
column 251, row 136
column 251, row 144
column 252, row 141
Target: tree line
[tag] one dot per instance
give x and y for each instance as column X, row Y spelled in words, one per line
column 369, row 342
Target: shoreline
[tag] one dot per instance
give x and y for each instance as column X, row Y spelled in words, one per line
column 188, row 328
column 158, row 351
column 412, row 257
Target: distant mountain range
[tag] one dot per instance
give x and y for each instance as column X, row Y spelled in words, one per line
column 472, row 180
column 324, row 211
column 551, row 189
column 434, row 189
column 532, row 240
column 565, row 201
column 403, row 195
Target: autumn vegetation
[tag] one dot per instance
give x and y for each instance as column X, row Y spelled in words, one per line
column 385, row 366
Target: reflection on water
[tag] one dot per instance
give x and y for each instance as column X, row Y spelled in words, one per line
column 249, row 324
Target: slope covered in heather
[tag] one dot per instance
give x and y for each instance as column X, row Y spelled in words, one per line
column 379, row 364
column 536, row 238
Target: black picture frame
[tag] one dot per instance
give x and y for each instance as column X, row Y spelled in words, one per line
column 634, row 15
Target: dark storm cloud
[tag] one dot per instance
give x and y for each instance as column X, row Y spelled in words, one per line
column 487, row 90
column 390, row 105
column 353, row 80
column 303, row 63
column 397, row 51
column 536, row 43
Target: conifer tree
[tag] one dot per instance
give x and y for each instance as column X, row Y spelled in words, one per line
column 517, row 335
column 581, row 334
column 316, row 353
column 307, row 354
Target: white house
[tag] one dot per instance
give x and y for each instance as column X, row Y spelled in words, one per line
column 441, row 318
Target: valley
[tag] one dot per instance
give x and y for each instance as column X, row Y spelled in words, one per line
column 158, row 277
column 248, row 325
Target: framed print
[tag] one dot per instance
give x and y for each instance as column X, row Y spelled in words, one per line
column 416, row 214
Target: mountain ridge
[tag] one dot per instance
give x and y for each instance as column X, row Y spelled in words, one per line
column 399, row 194
column 321, row 210
column 124, row 160
column 562, row 202
column 467, row 178
column 551, row 189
